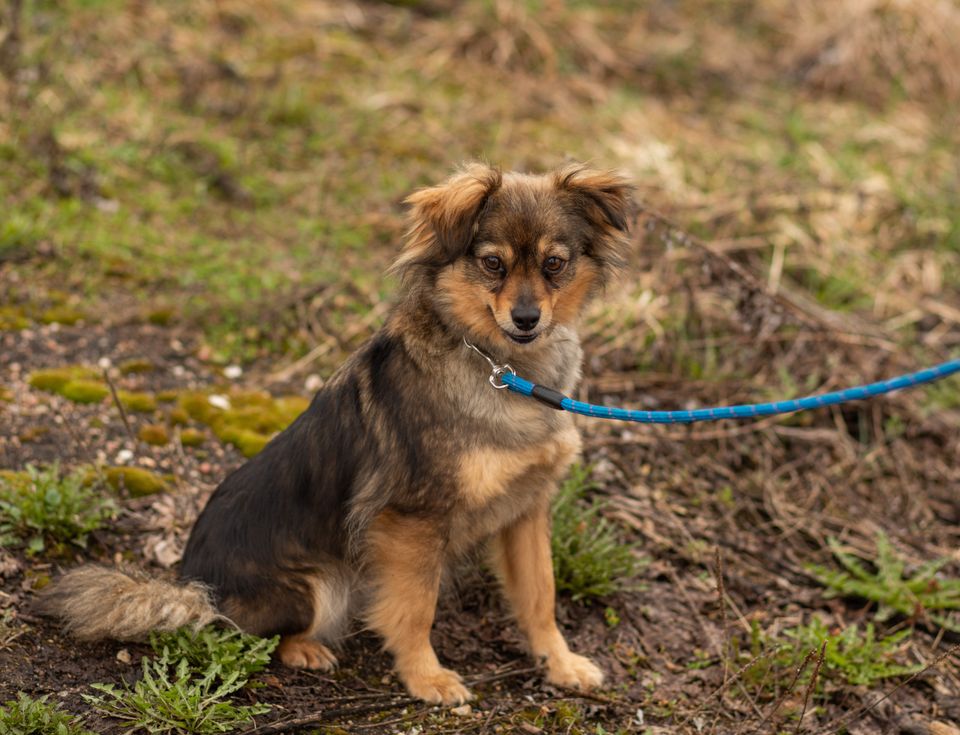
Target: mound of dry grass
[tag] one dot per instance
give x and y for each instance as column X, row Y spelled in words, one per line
column 873, row 49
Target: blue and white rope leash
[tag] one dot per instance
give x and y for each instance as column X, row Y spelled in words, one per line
column 504, row 376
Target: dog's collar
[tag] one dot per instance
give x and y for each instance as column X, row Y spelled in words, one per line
column 496, row 371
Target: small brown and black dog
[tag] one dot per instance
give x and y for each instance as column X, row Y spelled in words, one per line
column 407, row 458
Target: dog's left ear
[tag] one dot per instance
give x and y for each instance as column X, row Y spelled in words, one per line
column 444, row 218
column 603, row 198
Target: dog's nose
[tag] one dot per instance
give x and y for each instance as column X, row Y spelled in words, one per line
column 525, row 317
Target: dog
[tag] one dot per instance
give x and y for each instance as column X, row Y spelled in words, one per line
column 407, row 459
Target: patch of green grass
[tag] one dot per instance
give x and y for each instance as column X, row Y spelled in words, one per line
column 590, row 557
column 41, row 508
column 920, row 594
column 29, row 716
column 787, row 662
column 852, row 655
column 189, row 685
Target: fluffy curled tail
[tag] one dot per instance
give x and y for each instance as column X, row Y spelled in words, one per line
column 96, row 603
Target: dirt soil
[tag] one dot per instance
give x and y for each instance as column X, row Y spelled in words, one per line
column 757, row 499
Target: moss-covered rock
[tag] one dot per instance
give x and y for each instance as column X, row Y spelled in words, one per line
column 248, row 442
column 198, row 407
column 135, row 366
column 192, row 437
column 13, row 318
column 54, row 379
column 84, row 391
column 136, row 481
column 154, row 434
column 167, row 396
column 137, row 402
column 63, row 314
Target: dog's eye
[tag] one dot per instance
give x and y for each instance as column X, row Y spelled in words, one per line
column 492, row 263
column 554, row 265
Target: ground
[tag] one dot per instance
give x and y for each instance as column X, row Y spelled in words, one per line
column 203, row 200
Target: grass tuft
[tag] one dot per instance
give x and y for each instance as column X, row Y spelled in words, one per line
column 590, row 558
column 40, row 508
column 29, row 716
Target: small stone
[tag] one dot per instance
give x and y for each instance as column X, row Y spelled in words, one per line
column 219, row 401
column 313, row 383
column 104, row 363
column 123, row 656
column 464, row 710
column 124, row 456
column 232, row 372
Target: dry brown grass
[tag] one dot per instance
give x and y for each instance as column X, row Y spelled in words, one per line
column 871, row 49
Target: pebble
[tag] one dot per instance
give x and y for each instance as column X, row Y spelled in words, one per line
column 232, row 372
column 313, row 383
column 124, row 456
column 463, row 710
column 123, row 656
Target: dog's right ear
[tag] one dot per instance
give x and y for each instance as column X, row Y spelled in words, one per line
column 444, row 218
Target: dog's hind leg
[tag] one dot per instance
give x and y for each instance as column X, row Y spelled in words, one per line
column 305, row 609
column 331, row 607
column 405, row 561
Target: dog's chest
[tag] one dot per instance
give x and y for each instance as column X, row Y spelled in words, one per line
column 497, row 484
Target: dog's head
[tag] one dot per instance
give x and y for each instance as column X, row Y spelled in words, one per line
column 511, row 256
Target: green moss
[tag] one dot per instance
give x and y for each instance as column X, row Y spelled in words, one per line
column 178, row 417
column 13, row 318
column 192, row 437
column 62, row 315
column 136, row 481
column 33, row 433
column 248, row 442
column 161, row 317
column 54, row 379
column 167, row 396
column 139, row 365
column 138, row 402
column 6, row 395
column 198, row 407
column 84, row 391
column 154, row 434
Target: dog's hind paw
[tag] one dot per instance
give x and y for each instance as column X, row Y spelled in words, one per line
column 574, row 672
column 441, row 686
column 305, row 653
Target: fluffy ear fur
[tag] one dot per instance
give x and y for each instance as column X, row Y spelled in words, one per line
column 603, row 198
column 443, row 218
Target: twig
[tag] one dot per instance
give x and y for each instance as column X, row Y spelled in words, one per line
column 119, row 405
column 725, row 648
column 789, row 689
column 838, row 724
column 812, row 685
column 393, row 701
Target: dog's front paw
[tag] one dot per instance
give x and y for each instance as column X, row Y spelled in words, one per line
column 305, row 653
column 438, row 686
column 573, row 672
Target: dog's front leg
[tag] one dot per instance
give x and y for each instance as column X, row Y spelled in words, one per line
column 521, row 556
column 405, row 561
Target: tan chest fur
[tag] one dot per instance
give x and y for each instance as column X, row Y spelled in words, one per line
column 487, row 473
column 497, row 485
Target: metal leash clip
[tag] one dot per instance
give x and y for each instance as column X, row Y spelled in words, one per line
column 496, row 371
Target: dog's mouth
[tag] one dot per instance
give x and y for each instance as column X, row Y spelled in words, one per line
column 522, row 339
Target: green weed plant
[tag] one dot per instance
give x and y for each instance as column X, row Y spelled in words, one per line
column 40, row 508
column 28, row 716
column 922, row 594
column 590, row 558
column 188, row 686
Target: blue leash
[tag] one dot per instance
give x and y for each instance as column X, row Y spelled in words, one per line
column 504, row 376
